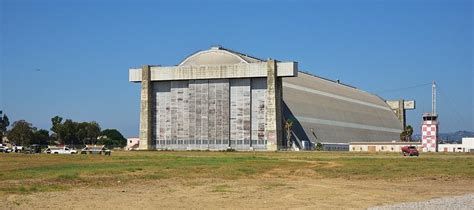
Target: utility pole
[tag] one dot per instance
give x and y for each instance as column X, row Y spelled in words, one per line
column 433, row 98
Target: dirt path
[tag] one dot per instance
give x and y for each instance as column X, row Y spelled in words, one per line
column 243, row 193
column 464, row 202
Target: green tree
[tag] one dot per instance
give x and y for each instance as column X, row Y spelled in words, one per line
column 40, row 137
column 319, row 147
column 68, row 132
column 93, row 131
column 288, row 129
column 409, row 132
column 21, row 133
column 406, row 133
column 112, row 138
column 57, row 127
column 82, row 132
column 4, row 123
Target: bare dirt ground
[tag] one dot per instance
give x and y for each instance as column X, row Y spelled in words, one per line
column 288, row 193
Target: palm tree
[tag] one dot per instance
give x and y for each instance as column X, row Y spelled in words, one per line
column 406, row 133
column 288, row 127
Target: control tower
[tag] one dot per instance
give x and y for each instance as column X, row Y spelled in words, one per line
column 429, row 127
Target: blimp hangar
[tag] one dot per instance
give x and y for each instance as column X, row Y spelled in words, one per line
column 218, row 99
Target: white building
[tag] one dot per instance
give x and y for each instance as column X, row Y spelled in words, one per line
column 133, row 143
column 467, row 145
column 335, row 146
column 381, row 146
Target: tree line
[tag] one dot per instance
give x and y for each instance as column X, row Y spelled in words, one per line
column 67, row 132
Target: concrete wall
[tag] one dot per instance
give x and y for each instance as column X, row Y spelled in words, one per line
column 214, row 71
column 146, row 139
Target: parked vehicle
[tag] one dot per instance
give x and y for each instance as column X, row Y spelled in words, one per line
column 95, row 149
column 5, row 149
column 32, row 149
column 60, row 150
column 410, row 151
column 17, row 148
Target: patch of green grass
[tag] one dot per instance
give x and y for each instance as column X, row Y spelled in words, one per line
column 222, row 188
column 273, row 185
column 69, row 176
column 247, row 170
column 154, row 176
column 135, row 169
column 27, row 189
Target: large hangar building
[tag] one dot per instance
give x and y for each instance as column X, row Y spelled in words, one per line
column 218, row 98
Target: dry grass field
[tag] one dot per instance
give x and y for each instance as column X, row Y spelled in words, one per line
column 150, row 180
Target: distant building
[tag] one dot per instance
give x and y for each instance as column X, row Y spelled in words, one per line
column 133, row 143
column 467, row 145
column 381, row 146
column 328, row 146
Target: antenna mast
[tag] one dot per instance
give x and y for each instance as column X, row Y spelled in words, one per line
column 433, row 98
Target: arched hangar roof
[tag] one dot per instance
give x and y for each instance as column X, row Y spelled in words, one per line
column 326, row 111
column 217, row 55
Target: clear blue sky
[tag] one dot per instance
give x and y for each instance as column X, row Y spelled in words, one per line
column 84, row 49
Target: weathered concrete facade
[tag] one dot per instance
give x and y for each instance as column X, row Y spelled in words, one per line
column 145, row 110
column 213, row 100
column 217, row 99
column 273, row 110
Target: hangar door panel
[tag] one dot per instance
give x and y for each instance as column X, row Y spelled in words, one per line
column 218, row 114
column 179, row 113
column 240, row 113
column 161, row 114
column 199, row 113
column 259, row 90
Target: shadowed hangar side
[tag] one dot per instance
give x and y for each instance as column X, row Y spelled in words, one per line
column 327, row 111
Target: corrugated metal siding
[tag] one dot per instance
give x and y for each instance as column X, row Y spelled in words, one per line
column 336, row 113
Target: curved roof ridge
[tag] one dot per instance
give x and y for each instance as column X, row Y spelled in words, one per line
column 218, row 55
column 240, row 54
column 329, row 80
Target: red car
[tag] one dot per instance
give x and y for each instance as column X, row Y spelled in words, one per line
column 410, row 151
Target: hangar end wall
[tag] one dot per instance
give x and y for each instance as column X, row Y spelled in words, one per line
column 209, row 114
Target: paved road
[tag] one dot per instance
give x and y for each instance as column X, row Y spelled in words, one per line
column 453, row 202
